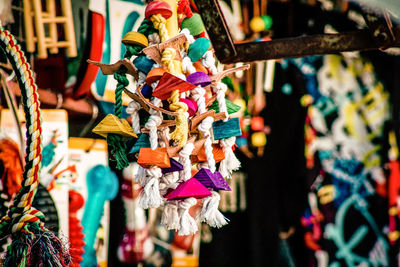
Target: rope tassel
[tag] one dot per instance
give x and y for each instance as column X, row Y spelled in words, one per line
column 188, row 225
column 210, row 213
column 170, row 216
column 230, row 163
column 150, row 197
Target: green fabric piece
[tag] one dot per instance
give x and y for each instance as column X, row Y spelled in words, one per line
column 230, row 107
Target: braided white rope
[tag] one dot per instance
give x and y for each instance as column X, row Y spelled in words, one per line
column 187, row 65
column 133, row 109
column 220, row 90
column 184, row 154
column 153, row 122
column 198, row 95
column 208, row 61
column 142, row 79
column 204, row 127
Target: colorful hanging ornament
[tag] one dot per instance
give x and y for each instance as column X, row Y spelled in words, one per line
column 180, row 88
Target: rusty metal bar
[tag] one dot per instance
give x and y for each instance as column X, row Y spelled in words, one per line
column 228, row 52
column 217, row 29
column 307, row 46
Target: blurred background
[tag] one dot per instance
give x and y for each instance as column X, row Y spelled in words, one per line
column 319, row 179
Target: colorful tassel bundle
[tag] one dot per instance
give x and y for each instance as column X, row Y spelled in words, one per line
column 187, row 124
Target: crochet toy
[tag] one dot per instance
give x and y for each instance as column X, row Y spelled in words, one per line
column 179, row 114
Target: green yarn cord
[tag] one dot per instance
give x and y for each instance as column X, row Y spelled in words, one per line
column 36, row 247
column 132, row 50
column 118, row 147
column 146, row 28
column 122, row 83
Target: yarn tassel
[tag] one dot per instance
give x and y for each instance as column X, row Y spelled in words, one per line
column 170, row 216
column 188, row 225
column 34, row 245
column 210, row 213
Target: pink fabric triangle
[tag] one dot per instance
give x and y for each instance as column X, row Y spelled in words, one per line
column 190, row 188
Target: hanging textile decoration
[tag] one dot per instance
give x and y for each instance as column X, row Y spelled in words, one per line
column 32, row 243
column 188, row 121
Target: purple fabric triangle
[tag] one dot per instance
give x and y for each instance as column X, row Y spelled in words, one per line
column 212, row 180
column 175, row 166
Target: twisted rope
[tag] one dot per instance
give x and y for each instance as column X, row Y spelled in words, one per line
column 204, row 127
column 21, row 211
column 181, row 130
column 180, row 134
column 32, row 242
column 159, row 23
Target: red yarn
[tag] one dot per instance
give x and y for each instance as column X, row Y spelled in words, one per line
column 184, row 8
column 203, row 34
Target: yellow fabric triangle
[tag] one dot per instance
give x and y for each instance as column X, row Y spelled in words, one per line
column 115, row 125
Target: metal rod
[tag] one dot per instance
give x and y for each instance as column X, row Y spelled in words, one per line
column 228, row 52
column 307, row 46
